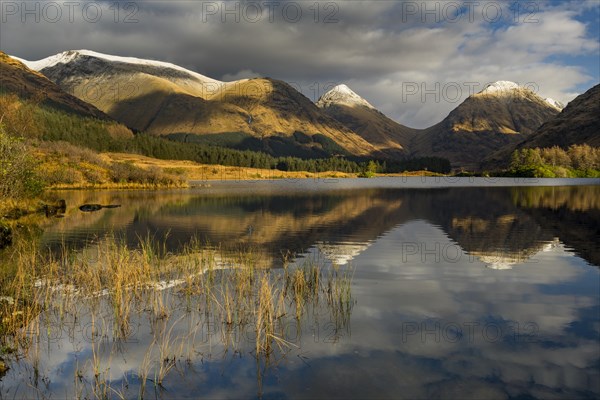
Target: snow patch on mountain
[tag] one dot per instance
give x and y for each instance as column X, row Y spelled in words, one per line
column 342, row 95
column 72, row 55
column 500, row 86
column 509, row 89
column 555, row 103
column 60, row 58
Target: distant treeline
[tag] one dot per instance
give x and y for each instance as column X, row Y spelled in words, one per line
column 165, row 149
column 555, row 162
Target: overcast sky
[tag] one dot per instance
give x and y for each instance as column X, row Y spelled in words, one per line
column 415, row 61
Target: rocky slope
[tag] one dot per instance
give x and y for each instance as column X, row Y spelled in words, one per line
column 578, row 123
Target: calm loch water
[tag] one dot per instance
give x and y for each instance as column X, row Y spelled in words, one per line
column 460, row 289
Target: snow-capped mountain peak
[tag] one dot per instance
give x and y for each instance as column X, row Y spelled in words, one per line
column 60, row 58
column 344, row 90
column 500, row 87
column 343, row 95
column 508, row 89
column 72, row 55
column 555, row 103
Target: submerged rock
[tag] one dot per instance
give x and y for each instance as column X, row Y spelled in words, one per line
column 90, row 207
column 96, row 207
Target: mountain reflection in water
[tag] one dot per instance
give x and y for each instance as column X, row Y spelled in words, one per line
column 457, row 292
column 500, row 226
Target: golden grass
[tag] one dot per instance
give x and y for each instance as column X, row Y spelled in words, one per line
column 147, row 282
column 116, row 186
column 192, row 171
column 21, row 207
column 70, row 167
column 65, row 166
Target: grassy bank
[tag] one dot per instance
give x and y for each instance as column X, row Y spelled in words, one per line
column 192, row 171
column 68, row 166
column 28, row 167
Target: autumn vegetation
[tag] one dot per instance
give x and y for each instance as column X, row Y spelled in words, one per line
column 578, row 161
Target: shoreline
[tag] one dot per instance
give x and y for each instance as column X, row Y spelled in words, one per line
column 421, row 180
column 13, row 210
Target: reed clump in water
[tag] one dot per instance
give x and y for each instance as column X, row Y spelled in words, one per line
column 117, row 285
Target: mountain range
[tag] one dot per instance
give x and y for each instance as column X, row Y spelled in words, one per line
column 269, row 115
column 164, row 99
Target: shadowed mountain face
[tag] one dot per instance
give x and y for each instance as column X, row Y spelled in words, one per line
column 578, row 123
column 501, row 115
column 500, row 227
column 16, row 78
column 165, row 99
